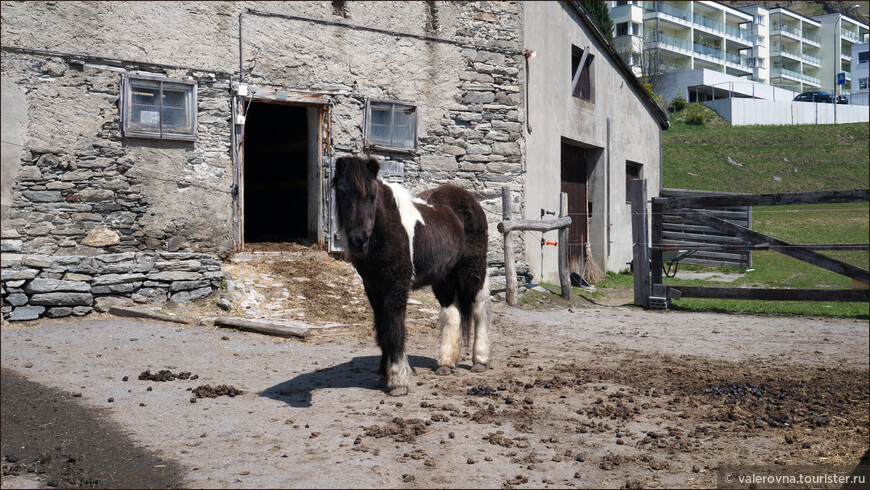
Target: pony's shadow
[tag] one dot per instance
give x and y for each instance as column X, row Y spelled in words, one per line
column 359, row 372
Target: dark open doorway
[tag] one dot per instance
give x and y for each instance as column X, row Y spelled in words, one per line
column 276, row 180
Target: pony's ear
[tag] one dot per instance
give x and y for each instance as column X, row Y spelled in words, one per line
column 373, row 166
column 340, row 165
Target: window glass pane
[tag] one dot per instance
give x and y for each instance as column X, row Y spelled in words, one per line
column 392, row 125
column 174, row 98
column 380, row 115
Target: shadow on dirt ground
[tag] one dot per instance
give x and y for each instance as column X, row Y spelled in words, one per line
column 50, row 437
column 355, row 373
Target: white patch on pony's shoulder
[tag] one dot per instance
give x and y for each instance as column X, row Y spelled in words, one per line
column 409, row 213
column 417, row 200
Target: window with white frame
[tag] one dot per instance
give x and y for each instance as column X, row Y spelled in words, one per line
column 862, row 84
column 863, row 57
column 158, row 107
column 391, row 125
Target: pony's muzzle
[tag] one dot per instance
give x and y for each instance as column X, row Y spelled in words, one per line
column 357, row 240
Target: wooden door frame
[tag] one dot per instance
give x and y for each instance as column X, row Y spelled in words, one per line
column 243, row 96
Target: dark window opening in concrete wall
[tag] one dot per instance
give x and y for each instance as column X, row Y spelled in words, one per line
column 574, row 184
column 632, row 171
column 276, row 204
column 583, row 89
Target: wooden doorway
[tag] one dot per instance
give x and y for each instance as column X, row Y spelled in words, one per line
column 574, row 184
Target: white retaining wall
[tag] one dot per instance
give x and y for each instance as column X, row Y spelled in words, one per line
column 745, row 112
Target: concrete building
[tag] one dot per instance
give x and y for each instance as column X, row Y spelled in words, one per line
column 775, row 47
column 860, row 74
column 136, row 156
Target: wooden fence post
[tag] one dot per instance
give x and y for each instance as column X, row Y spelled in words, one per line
column 640, row 248
column 510, row 272
column 656, row 254
column 564, row 273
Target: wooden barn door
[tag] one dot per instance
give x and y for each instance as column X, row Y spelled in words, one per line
column 574, row 184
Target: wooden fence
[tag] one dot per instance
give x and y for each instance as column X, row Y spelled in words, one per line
column 650, row 290
column 678, row 233
column 509, row 225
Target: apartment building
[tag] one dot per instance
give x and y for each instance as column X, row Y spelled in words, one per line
column 861, row 74
column 775, row 47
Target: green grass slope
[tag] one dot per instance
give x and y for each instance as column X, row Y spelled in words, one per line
column 763, row 159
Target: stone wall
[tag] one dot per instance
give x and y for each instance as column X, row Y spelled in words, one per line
column 55, row 286
column 83, row 189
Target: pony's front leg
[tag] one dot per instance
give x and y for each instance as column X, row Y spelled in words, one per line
column 390, row 326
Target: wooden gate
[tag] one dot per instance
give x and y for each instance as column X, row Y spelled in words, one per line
column 658, row 295
column 574, row 184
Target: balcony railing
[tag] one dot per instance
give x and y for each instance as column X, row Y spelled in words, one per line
column 736, row 59
column 779, row 71
column 777, row 50
column 707, row 51
column 847, row 34
column 848, row 74
column 813, row 38
column 683, row 44
column 719, row 26
column 794, row 31
column 667, row 10
column 811, row 59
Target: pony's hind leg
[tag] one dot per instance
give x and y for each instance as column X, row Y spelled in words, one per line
column 482, row 314
column 448, row 358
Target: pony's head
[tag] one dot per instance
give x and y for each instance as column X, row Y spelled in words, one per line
column 356, row 199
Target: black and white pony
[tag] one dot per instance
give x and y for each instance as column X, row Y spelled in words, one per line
column 398, row 243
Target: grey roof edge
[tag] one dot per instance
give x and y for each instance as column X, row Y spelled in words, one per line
column 632, row 80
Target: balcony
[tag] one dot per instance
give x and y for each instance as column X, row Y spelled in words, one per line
column 849, row 35
column 778, row 50
column 783, row 72
column 811, row 38
column 793, row 32
column 667, row 10
column 811, row 59
column 676, row 44
column 709, row 23
column 708, row 51
column 848, row 74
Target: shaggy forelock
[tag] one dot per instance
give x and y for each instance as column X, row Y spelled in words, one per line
column 356, row 175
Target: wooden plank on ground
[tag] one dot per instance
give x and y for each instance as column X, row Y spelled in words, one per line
column 268, row 327
column 140, row 313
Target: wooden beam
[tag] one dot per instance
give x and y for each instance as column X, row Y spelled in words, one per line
column 760, row 246
column 276, row 328
column 577, row 73
column 640, row 250
column 838, row 295
column 510, row 267
column 825, row 197
column 533, row 224
column 656, row 254
column 564, row 273
column 780, row 246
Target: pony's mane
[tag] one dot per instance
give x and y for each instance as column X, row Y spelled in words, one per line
column 357, row 176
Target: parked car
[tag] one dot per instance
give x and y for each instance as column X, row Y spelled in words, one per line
column 820, row 96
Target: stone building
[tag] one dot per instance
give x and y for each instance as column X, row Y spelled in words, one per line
column 143, row 143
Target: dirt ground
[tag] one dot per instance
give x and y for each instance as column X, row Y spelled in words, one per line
column 586, row 396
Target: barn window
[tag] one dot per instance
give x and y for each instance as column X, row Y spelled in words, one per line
column 632, row 171
column 159, row 107
column 391, row 125
column 583, row 88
